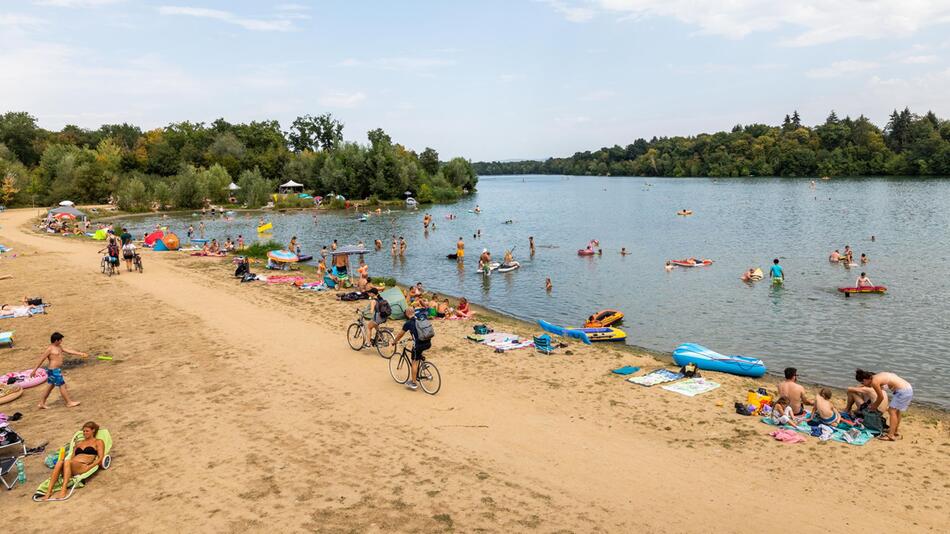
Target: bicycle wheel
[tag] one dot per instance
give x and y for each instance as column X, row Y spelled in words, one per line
column 138, row 266
column 354, row 336
column 385, row 344
column 103, row 264
column 399, row 368
column 429, row 378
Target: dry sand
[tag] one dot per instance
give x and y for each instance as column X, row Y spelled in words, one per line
column 239, row 407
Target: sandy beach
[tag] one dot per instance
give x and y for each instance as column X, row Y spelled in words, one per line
column 240, row 407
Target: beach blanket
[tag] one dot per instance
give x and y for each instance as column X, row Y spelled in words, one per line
column 314, row 286
column 458, row 317
column 33, row 310
column 626, row 370
column 504, row 341
column 692, row 386
column 660, row 376
column 284, row 279
column 855, row 435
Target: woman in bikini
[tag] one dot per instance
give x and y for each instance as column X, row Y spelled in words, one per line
column 87, row 453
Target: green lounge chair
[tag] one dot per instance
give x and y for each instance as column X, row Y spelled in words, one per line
column 77, row 480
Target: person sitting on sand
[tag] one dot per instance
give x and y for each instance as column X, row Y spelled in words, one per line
column 206, row 248
column 794, row 392
column 863, row 281
column 901, row 395
column 54, row 372
column 415, row 291
column 835, row 256
column 864, row 259
column 825, row 411
column 462, row 310
column 861, row 397
column 87, row 453
column 215, row 247
column 228, row 245
column 442, row 310
column 782, row 413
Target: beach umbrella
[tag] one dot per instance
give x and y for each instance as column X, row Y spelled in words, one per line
column 64, row 216
column 284, row 256
column 407, row 193
column 67, row 203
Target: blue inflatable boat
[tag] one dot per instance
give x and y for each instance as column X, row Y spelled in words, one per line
column 713, row 361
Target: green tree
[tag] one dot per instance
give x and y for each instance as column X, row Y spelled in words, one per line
column 429, row 160
column 18, row 131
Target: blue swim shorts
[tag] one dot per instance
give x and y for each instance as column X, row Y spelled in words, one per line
column 55, row 377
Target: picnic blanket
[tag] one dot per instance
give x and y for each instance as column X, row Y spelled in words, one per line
column 503, row 341
column 314, row 286
column 34, row 310
column 660, row 376
column 844, row 433
column 692, row 386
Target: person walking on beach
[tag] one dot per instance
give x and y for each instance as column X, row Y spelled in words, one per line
column 776, row 273
column 460, row 249
column 794, row 392
column 54, row 373
column 901, row 395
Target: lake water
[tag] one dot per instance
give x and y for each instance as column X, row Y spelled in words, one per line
column 739, row 223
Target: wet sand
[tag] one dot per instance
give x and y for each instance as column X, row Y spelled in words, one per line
column 239, row 407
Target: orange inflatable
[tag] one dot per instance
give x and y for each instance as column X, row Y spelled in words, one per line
column 171, row 241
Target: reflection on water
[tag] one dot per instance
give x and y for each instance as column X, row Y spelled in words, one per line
column 739, row 223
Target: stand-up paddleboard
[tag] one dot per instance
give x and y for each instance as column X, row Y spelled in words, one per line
column 564, row 332
column 871, row 289
column 713, row 361
column 508, row 267
column 491, row 267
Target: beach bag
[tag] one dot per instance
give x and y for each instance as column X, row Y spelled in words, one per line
column 481, row 329
column 424, row 329
column 35, row 301
column 383, row 308
column 873, row 421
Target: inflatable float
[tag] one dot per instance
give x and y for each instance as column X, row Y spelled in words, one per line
column 605, row 333
column 564, row 332
column 508, row 267
column 10, row 393
column 151, row 238
column 871, row 289
column 690, row 263
column 585, row 252
column 23, row 378
column 304, row 257
column 604, row 318
column 265, row 227
column 713, row 361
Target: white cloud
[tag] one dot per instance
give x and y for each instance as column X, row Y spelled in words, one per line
column 816, row 21
column 340, row 99
column 76, row 3
column 917, row 60
column 12, row 22
column 266, row 25
column 841, row 68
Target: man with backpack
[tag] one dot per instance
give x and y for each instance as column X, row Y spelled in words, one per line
column 422, row 332
column 380, row 310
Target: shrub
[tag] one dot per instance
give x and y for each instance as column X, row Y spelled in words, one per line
column 260, row 250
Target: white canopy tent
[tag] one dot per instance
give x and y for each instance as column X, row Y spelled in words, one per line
column 233, row 187
column 290, row 187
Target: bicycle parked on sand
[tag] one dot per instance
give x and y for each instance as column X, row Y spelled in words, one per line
column 383, row 339
column 428, row 376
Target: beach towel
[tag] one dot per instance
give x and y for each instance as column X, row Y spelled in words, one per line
column 314, row 286
column 505, row 341
column 787, row 436
column 854, row 435
column 284, row 279
column 660, row 376
column 33, row 310
column 692, row 386
column 626, row 370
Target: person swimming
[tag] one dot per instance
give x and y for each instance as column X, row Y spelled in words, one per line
column 835, row 256
column 864, row 258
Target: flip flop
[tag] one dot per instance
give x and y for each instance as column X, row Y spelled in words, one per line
column 886, row 437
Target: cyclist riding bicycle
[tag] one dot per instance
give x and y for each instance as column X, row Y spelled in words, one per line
column 379, row 310
column 420, row 328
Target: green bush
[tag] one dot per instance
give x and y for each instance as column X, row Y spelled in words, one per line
column 385, row 280
column 292, row 202
column 260, row 250
column 336, row 204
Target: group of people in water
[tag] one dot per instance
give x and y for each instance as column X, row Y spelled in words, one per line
column 870, row 396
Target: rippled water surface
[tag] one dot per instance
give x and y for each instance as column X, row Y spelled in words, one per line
column 737, row 222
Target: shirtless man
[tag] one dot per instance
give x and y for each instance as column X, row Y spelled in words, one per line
column 835, row 256
column 54, row 379
column 825, row 411
column 794, row 392
column 863, row 281
column 901, row 395
column 485, row 259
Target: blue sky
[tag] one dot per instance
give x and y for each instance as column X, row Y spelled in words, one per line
column 487, row 79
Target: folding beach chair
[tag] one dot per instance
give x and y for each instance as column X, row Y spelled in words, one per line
column 543, row 344
column 77, row 480
column 11, row 450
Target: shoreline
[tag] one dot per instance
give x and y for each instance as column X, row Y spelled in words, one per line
column 771, row 378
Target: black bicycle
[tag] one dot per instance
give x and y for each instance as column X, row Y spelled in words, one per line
column 383, row 339
column 428, row 376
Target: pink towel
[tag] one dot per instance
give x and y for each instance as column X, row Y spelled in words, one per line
column 787, row 436
column 284, row 279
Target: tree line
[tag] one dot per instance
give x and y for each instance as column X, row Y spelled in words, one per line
column 909, row 145
column 186, row 164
